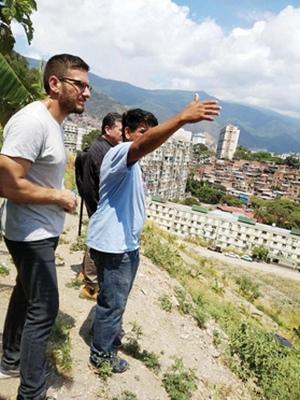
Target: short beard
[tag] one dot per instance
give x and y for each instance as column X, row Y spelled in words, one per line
column 69, row 107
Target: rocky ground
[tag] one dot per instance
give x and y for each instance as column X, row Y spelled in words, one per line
column 168, row 334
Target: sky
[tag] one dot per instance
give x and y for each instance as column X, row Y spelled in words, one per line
column 246, row 51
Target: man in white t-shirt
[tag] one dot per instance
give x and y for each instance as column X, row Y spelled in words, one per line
column 32, row 164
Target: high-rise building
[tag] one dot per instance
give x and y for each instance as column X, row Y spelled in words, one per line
column 166, row 169
column 227, row 143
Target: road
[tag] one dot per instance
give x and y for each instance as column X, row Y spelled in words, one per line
column 259, row 266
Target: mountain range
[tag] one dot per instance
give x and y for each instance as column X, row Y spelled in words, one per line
column 259, row 128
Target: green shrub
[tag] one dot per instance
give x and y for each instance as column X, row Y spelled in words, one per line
column 165, row 303
column 185, row 306
column 248, row 288
column 133, row 348
column 126, row 395
column 59, row 348
column 4, row 271
column 105, row 370
column 273, row 367
column 180, row 382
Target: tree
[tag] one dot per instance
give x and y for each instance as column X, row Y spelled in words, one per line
column 14, row 89
column 231, row 200
column 260, row 253
column 292, row 162
column 90, row 138
column 19, row 11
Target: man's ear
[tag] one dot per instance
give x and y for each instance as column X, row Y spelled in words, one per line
column 127, row 133
column 54, row 84
column 106, row 130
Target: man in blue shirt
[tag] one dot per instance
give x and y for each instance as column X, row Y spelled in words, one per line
column 115, row 228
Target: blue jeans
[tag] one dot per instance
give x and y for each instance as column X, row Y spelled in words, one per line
column 31, row 313
column 119, row 271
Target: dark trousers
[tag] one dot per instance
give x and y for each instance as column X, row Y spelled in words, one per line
column 31, row 313
column 119, row 271
column 90, row 272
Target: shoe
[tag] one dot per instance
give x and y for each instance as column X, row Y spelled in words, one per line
column 88, row 293
column 118, row 365
column 80, row 277
column 8, row 373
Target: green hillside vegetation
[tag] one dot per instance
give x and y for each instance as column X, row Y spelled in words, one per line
column 242, row 153
column 257, row 314
column 281, row 212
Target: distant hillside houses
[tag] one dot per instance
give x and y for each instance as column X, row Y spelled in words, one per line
column 266, row 180
column 223, row 230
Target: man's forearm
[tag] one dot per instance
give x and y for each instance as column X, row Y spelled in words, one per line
column 153, row 139
column 26, row 192
column 196, row 111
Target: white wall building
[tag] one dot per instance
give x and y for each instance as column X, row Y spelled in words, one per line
column 166, row 169
column 227, row 143
column 224, row 229
column 73, row 136
column 198, row 138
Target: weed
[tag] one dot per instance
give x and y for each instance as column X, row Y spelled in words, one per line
column 126, row 395
column 79, row 244
column 75, row 283
column 105, row 370
column 184, row 305
column 63, row 240
column 217, row 287
column 270, row 364
column 216, row 338
column 248, row 288
column 201, row 317
column 133, row 348
column 180, row 382
column 165, row 303
column 59, row 348
column 4, row 271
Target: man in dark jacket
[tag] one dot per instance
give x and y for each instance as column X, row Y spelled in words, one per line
column 87, row 165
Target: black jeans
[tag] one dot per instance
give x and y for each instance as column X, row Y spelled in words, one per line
column 31, row 313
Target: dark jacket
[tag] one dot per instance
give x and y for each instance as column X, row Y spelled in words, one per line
column 89, row 162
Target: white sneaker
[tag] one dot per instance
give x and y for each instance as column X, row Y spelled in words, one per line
column 8, row 373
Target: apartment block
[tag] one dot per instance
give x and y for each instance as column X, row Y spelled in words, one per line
column 73, row 136
column 227, row 142
column 166, row 169
column 227, row 230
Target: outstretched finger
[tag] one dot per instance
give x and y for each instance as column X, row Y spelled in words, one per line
column 196, row 97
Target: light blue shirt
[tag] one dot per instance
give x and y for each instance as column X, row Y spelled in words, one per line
column 117, row 224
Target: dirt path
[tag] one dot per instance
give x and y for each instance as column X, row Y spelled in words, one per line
column 168, row 334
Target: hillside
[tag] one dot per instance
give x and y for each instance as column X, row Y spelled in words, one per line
column 260, row 128
column 159, row 323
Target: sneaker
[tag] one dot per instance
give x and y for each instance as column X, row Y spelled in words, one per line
column 118, row 365
column 88, row 293
column 8, row 373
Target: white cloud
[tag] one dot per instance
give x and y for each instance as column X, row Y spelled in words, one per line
column 156, row 45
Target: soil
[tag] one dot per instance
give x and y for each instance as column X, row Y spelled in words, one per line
column 168, row 334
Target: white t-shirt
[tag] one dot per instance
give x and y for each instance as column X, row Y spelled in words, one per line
column 33, row 134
